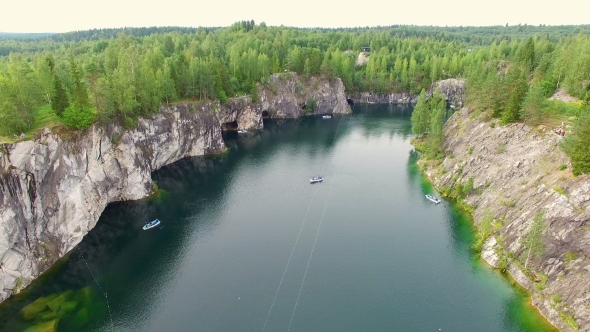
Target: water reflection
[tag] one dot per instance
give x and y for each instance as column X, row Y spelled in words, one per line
column 386, row 258
column 377, row 122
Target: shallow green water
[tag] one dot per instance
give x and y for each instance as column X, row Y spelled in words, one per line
column 248, row 244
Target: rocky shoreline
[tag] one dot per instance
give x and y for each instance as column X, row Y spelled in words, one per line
column 517, row 172
column 54, row 188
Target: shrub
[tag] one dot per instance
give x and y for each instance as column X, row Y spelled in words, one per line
column 559, row 190
column 129, row 122
column 556, row 298
column 509, row 203
column 570, row 321
column 115, row 139
column 222, row 97
column 310, row 106
column 79, row 118
column 485, row 229
column 569, row 257
column 467, row 187
column 547, row 87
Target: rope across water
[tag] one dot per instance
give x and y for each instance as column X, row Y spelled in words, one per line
column 101, row 290
column 297, row 241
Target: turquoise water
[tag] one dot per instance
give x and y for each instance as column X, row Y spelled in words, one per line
column 247, row 244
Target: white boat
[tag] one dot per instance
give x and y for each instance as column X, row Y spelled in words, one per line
column 326, row 116
column 433, row 199
column 316, row 179
column 151, row 224
column 242, row 131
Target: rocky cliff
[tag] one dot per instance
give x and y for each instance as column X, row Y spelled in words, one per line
column 517, row 172
column 54, row 188
column 288, row 95
column 452, row 89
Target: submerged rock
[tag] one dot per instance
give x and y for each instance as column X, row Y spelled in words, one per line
column 49, row 326
column 54, row 188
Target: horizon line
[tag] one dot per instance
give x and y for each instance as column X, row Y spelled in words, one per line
column 299, row 27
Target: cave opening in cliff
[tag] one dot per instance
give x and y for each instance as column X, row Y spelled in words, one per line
column 350, row 101
column 233, row 125
column 265, row 114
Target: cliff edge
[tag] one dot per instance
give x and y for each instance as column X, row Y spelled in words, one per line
column 54, row 188
column 519, row 172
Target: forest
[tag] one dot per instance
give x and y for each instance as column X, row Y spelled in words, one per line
column 105, row 75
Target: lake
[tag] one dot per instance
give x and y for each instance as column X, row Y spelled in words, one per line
column 246, row 243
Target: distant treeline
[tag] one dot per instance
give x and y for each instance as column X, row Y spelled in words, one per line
column 121, row 74
column 472, row 35
column 24, row 36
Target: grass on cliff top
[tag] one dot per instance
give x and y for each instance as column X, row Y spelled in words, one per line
column 556, row 111
column 43, row 117
column 553, row 112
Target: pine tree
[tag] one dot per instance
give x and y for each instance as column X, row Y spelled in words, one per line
column 22, row 86
column 225, row 80
column 275, row 66
column 421, row 115
column 577, row 143
column 527, row 55
column 438, row 100
column 79, row 92
column 60, row 101
column 93, row 73
column 44, row 75
column 519, row 88
column 254, row 93
column 104, row 98
column 307, row 68
column 532, row 105
column 437, row 105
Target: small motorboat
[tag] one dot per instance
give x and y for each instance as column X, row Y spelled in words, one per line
column 151, row 224
column 433, row 199
column 242, row 131
column 326, row 116
column 316, row 179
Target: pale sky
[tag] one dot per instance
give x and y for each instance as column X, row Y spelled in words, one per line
column 70, row 15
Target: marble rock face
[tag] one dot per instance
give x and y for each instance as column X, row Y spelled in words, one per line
column 54, row 188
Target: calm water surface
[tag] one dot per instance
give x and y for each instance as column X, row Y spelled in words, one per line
column 247, row 244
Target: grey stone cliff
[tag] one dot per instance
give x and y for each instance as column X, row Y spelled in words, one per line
column 286, row 95
column 54, row 188
column 452, row 89
column 518, row 171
